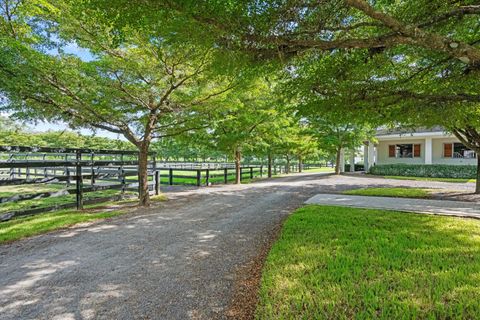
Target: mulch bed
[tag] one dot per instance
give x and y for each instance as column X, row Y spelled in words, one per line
column 245, row 297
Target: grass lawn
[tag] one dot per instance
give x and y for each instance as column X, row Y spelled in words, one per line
column 322, row 169
column 344, row 263
column 9, row 191
column 28, row 226
column 54, row 201
column 23, row 227
column 390, row 192
column 454, row 180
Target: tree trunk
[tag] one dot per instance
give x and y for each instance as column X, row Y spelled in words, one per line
column 477, row 185
column 300, row 164
column 287, row 168
column 270, row 165
column 238, row 173
column 143, row 192
column 337, row 161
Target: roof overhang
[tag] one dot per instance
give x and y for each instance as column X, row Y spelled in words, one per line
column 414, row 135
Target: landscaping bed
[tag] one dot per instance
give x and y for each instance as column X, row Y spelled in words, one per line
column 426, row 170
column 343, row 263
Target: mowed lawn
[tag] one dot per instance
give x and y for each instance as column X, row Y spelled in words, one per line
column 344, row 263
column 33, row 225
column 398, row 192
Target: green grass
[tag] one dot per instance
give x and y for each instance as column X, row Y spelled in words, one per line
column 54, row 201
column 33, row 225
column 345, row 263
column 390, row 192
column 322, row 169
column 454, row 180
column 8, row 191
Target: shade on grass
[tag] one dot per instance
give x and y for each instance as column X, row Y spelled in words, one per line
column 390, row 192
column 11, row 190
column 337, row 263
column 321, row 169
column 33, row 225
column 56, row 201
column 453, row 180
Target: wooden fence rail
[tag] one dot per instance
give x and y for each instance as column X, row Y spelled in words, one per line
column 79, row 172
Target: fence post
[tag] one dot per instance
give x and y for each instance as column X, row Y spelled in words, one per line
column 225, row 175
column 12, row 170
column 68, row 176
column 92, row 171
column 207, row 178
column 199, row 177
column 45, row 174
column 156, row 176
column 79, row 181
column 241, row 173
column 121, row 176
column 170, row 176
column 251, row 172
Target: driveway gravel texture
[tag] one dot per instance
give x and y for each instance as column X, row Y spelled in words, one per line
column 186, row 258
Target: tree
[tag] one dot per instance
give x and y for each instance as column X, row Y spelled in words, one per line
column 272, row 28
column 141, row 83
column 336, row 133
column 242, row 121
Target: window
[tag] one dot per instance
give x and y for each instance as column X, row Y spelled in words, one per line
column 404, row 151
column 458, row 150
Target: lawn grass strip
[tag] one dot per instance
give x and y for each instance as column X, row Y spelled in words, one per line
column 342, row 263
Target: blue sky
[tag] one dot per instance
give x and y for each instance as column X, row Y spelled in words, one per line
column 85, row 55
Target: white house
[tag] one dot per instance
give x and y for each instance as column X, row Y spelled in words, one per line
column 424, row 146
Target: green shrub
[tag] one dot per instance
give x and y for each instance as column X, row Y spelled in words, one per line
column 426, row 170
column 358, row 167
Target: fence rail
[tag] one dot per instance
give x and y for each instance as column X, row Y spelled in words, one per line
column 75, row 174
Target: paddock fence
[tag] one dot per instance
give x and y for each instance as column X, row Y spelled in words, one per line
column 41, row 179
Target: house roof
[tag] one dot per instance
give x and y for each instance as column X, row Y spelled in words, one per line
column 409, row 131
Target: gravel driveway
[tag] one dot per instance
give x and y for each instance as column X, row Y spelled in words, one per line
column 182, row 259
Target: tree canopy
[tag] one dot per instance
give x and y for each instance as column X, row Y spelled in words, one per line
column 270, row 77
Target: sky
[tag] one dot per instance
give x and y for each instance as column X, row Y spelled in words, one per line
column 59, row 126
column 85, row 55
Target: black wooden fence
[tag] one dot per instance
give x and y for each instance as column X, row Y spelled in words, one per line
column 80, row 172
column 72, row 171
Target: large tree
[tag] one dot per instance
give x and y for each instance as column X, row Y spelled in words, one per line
column 243, row 121
column 142, row 83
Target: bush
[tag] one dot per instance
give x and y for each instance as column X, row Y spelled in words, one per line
column 426, row 170
column 358, row 167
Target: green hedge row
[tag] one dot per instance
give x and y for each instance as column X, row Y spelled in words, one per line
column 426, row 170
column 358, row 167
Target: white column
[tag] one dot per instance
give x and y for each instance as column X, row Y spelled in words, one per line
column 371, row 154
column 342, row 160
column 352, row 161
column 428, row 151
column 365, row 156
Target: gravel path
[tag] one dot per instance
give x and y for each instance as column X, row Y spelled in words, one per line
column 182, row 259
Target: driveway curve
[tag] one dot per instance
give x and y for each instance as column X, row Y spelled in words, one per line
column 182, row 259
column 178, row 260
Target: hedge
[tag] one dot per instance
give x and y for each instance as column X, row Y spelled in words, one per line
column 358, row 167
column 426, row 170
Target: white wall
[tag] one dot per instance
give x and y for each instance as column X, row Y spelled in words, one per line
column 382, row 152
column 437, row 152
